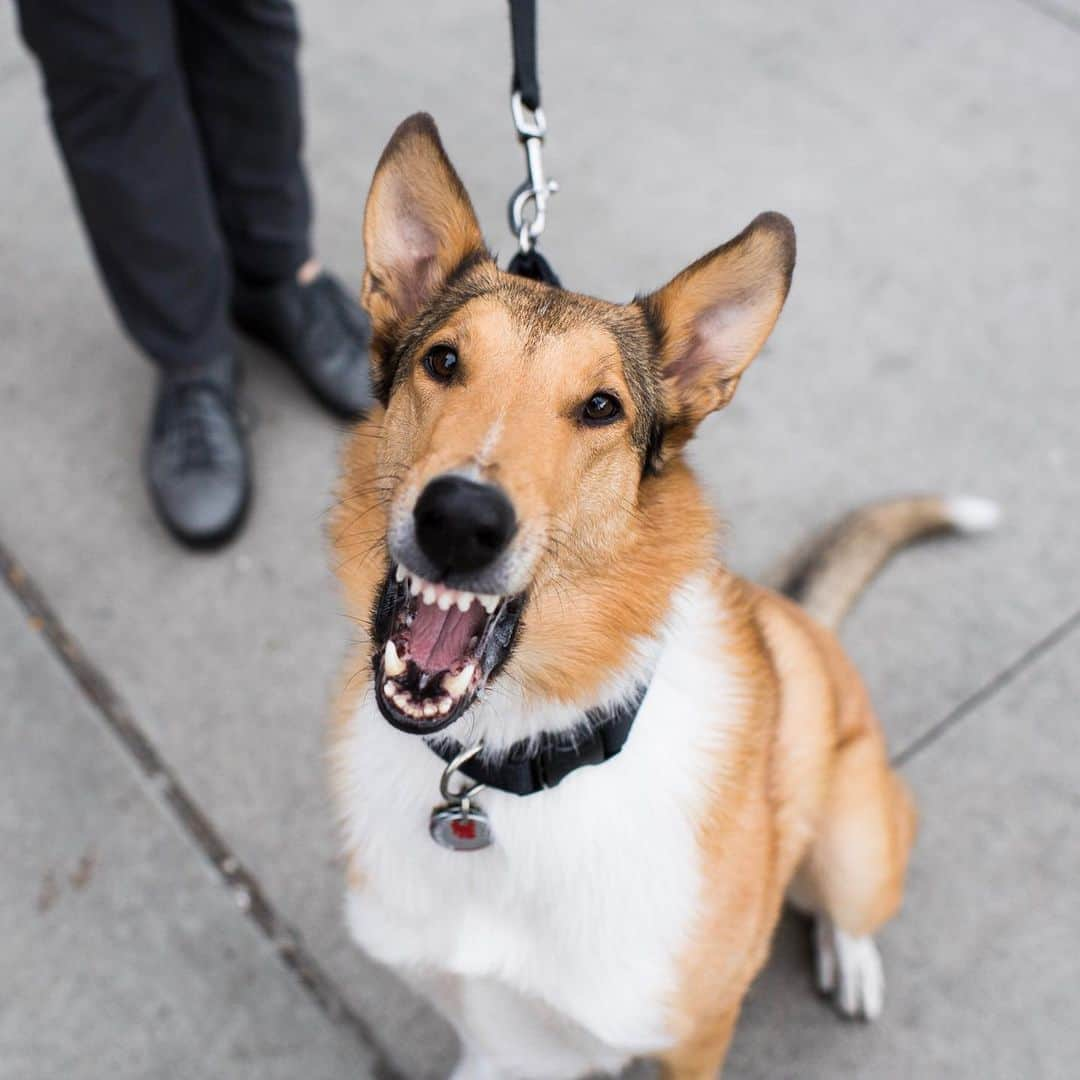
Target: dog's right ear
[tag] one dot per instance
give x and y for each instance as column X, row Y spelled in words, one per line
column 419, row 226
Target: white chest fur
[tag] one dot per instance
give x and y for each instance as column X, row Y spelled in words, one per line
column 581, row 909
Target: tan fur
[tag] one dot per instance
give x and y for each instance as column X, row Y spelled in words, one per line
column 431, row 226
column 803, row 792
column 815, row 804
column 717, row 314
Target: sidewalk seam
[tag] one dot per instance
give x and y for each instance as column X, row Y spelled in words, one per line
column 990, row 689
column 1062, row 16
column 251, row 899
column 249, row 894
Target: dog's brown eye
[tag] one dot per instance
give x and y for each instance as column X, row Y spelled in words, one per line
column 441, row 363
column 601, row 409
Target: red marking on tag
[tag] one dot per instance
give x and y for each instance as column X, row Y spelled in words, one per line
column 464, row 830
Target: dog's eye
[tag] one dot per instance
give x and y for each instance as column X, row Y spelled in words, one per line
column 441, row 363
column 601, row 409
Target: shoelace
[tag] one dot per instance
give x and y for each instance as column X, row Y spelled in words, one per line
column 197, row 432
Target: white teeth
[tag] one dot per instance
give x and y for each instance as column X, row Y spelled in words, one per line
column 393, row 665
column 407, row 705
column 456, row 685
column 445, row 598
column 399, row 573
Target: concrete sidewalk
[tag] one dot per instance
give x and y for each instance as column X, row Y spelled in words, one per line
column 928, row 155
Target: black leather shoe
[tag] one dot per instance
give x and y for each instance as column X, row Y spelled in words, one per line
column 197, row 463
column 319, row 330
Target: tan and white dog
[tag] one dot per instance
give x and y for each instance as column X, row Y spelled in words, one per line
column 526, row 552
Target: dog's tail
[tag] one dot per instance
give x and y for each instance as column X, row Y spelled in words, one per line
column 828, row 574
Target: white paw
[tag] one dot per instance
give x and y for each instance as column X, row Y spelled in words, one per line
column 849, row 970
column 474, row 1066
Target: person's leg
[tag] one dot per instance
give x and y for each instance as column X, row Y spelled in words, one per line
column 121, row 117
column 240, row 60
column 119, row 108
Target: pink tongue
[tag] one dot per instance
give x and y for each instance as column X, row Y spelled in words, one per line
column 439, row 638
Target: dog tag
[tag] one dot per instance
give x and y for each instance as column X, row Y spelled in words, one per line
column 460, row 829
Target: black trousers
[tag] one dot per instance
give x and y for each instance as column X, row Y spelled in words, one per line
column 179, row 122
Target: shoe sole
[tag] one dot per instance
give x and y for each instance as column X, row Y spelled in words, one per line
column 206, row 541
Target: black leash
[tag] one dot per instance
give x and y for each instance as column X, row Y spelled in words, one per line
column 523, row 32
column 531, row 765
column 531, row 128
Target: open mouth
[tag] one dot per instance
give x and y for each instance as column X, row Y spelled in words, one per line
column 436, row 648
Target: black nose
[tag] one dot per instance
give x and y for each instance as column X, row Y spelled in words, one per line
column 462, row 525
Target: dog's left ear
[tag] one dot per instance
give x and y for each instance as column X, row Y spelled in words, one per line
column 419, row 226
column 714, row 317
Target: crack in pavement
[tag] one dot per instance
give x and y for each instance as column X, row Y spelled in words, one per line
column 249, row 895
column 1062, row 16
column 988, row 690
column 244, row 887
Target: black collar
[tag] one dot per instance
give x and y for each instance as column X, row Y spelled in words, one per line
column 532, row 765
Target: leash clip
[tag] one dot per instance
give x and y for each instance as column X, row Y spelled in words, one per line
column 536, row 188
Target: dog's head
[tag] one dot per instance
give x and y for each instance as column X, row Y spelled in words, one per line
column 516, row 470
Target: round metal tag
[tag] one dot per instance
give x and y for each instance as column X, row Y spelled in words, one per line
column 459, row 829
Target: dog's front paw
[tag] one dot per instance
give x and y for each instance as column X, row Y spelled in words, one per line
column 849, row 970
column 474, row 1066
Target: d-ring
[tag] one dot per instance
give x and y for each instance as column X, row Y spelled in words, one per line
column 465, row 793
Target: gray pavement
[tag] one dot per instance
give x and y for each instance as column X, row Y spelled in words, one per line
column 928, row 155
column 122, row 956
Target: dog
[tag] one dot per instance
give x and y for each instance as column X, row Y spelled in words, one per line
column 669, row 752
